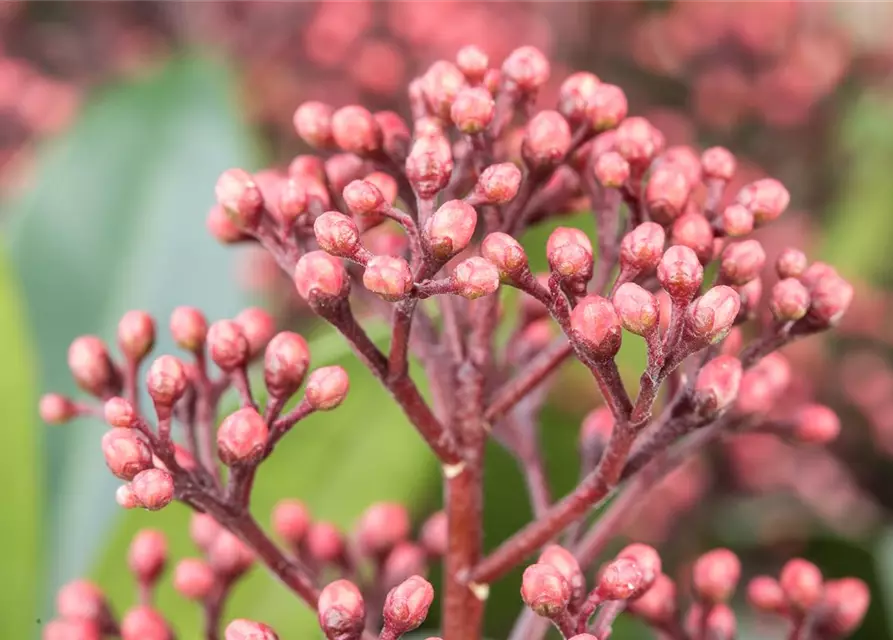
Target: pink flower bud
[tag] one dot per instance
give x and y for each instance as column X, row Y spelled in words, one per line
column 791, row 263
column 386, row 185
column 611, row 170
column 189, row 328
column 144, row 623
column 405, row 560
column 407, row 604
column 576, row 96
column 449, row 230
column 441, row 85
column 222, row 228
column 427, row 126
column 473, row 110
column 227, row 345
column 326, row 388
column 342, row 612
column 637, row 308
column 545, row 590
column 355, row 130
column 816, row 424
column 506, row 253
column 680, row 273
column 742, row 262
column 306, row 166
column 242, row 437
column 285, row 364
column 291, row 521
column 844, row 605
column 717, row 383
column 240, row 197
column 147, row 555
column 313, row 122
column 767, row 199
column 204, row 529
column 337, row 234
column 715, row 575
column 789, row 301
column 56, row 409
column 292, row 202
column 320, row 276
column 258, row 327
column 608, row 107
column 566, row 564
column 597, row 426
column 684, row 160
column 381, row 527
column 395, row 136
column 569, row 252
column 666, row 193
column 125, row 497
column 547, row 138
column 241, row 629
column 638, row 141
column 343, row 168
column 620, row 579
column 527, row 68
column 498, row 183
column 434, row 535
column 693, row 230
column 641, row 249
column 82, row 599
column 802, row 584
column 475, row 277
column 363, row 199
column 389, row 277
column 647, row 561
column 764, row 594
column 737, row 220
column 154, row 488
column 166, row 381
column 720, row 623
column 831, row 297
column 229, row 556
column 816, row 272
column 596, row 326
column 657, row 605
column 136, row 334
column 126, row 454
column 90, row 365
column 711, row 316
column 718, row 163
column 71, row 629
column 194, row 579
column 429, row 165
column 472, row 62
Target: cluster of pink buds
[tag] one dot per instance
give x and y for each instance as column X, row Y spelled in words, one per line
column 455, row 191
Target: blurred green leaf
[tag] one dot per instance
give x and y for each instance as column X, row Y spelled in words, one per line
column 20, row 471
column 116, row 220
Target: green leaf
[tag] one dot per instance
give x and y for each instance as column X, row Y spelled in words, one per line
column 20, row 471
column 116, row 220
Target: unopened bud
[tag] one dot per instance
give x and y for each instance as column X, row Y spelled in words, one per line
column 405, row 560
column 715, row 575
column 363, row 199
column 389, row 277
column 441, row 85
column 647, row 561
column 71, row 629
column 717, row 383
column 147, row 556
column 684, row 160
column 569, row 252
column 326, row 388
column 680, row 273
column 718, row 163
column 693, row 230
column 154, row 488
column 229, row 556
column 222, row 228
column 720, row 623
column 802, row 584
column 830, row 298
column 189, row 328
column 641, row 249
column 306, row 166
column 355, row 130
column 203, row 530
column 342, row 612
column 576, row 96
column 313, row 122
column 194, row 579
column 381, row 527
column 566, row 564
column 547, row 138
column 472, row 62
column 527, row 68
column 473, row 110
column 125, row 497
column 498, row 183
column 429, row 165
column 638, row 309
column 136, row 334
column 56, row 409
column 386, row 185
column 789, row 301
column 337, row 234
column 638, row 141
column 449, row 230
column 608, row 107
column 427, row 126
column 492, row 80
column 241, row 629
column 475, row 277
column 545, row 590
column 145, row 623
column 766, row 198
column 737, row 220
column 258, row 327
column 82, row 599
column 597, row 427
column 816, row 272
column 240, row 197
column 242, row 437
column 166, row 381
column 126, row 454
column 765, row 594
column 434, row 535
column 506, row 253
column 90, row 365
column 666, row 193
column 816, row 424
column 710, row 317
column 407, row 604
column 596, row 326
column 285, row 364
column 844, row 605
column 742, row 262
column 227, row 345
column 611, row 170
column 320, row 276
column 395, row 136
column 342, row 169
column 657, row 605
column 791, row 263
column 620, row 579
column 291, row 521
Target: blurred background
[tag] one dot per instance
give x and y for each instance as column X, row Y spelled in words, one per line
column 117, row 117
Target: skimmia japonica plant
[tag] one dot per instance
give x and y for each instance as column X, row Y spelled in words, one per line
column 443, row 204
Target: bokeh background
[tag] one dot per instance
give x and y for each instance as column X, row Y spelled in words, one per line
column 116, row 118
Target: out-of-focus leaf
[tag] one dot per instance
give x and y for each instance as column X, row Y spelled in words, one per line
column 115, row 220
column 883, row 556
column 20, row 472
